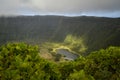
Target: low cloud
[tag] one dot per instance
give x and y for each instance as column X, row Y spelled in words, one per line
column 58, row 6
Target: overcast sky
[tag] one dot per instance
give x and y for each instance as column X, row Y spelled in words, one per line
column 108, row 8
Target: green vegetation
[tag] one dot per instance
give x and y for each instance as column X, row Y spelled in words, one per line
column 104, row 64
column 20, row 61
column 71, row 43
column 94, row 32
column 78, row 35
column 75, row 43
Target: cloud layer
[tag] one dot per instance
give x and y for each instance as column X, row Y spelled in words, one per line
column 15, row 7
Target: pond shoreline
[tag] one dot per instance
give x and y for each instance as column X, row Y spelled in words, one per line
column 67, row 54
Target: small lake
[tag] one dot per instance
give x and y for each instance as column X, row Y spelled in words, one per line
column 68, row 55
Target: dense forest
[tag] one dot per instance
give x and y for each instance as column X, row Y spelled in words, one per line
column 59, row 48
column 20, row 61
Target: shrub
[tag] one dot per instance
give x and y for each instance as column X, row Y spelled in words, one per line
column 104, row 64
column 22, row 61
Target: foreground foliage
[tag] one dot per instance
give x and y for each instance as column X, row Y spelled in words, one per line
column 104, row 64
column 20, row 61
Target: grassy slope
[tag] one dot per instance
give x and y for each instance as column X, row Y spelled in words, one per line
column 96, row 32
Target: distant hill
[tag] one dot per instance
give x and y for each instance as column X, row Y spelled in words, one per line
column 97, row 32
